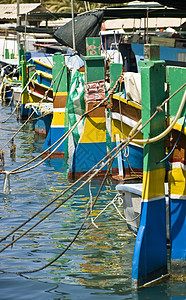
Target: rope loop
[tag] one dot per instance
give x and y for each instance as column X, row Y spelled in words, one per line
column 159, row 108
column 6, row 185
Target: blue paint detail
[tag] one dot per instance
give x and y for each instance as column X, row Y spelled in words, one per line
column 44, row 80
column 29, row 54
column 53, row 135
column 8, row 94
column 24, row 112
column 86, row 155
column 42, row 124
column 169, row 53
column 178, row 229
column 166, row 53
column 137, row 49
column 150, row 252
column 43, row 68
column 135, row 158
column 58, row 164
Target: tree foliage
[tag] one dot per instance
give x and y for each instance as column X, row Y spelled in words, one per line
column 60, row 6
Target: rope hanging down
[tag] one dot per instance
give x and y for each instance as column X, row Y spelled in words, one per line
column 109, row 160
column 60, row 141
column 44, row 97
column 121, row 146
column 72, row 241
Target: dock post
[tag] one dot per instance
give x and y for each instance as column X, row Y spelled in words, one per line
column 7, row 55
column 177, row 175
column 24, row 96
column 21, row 53
column 150, row 252
column 92, row 143
column 60, row 91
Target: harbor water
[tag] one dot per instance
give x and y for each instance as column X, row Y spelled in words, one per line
column 96, row 266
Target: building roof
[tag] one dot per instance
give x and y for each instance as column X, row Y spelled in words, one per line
column 181, row 4
column 9, row 11
column 139, row 23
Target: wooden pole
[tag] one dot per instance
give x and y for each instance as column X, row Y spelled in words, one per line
column 73, row 26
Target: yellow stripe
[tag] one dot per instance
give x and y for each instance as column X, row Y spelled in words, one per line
column 24, row 98
column 153, row 184
column 129, row 102
column 44, row 74
column 41, row 63
column 58, row 118
column 42, row 85
column 33, row 98
column 94, row 130
column 177, row 181
column 60, row 94
column 178, row 127
column 116, row 129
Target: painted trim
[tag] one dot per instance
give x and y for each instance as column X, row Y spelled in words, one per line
column 129, row 102
column 150, row 178
column 94, row 131
column 60, row 94
column 178, row 197
column 178, row 165
column 44, row 74
column 124, row 119
column 58, row 119
column 41, row 63
column 57, row 126
column 59, row 109
column 39, row 95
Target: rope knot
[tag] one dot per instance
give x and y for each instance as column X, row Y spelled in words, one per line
column 159, row 108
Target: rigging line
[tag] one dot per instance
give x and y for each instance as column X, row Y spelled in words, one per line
column 11, row 100
column 18, row 103
column 100, row 213
column 61, row 194
column 123, row 218
column 92, row 220
column 167, row 156
column 71, row 129
column 118, row 148
column 50, row 154
column 18, row 130
column 10, row 115
column 75, row 237
column 61, row 203
column 33, row 111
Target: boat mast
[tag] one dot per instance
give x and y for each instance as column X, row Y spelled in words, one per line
column 73, row 26
column 18, row 23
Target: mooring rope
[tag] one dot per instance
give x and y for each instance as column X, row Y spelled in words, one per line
column 18, row 103
column 67, row 189
column 112, row 202
column 119, row 148
column 62, row 138
column 177, row 140
column 72, row 241
column 45, row 96
column 17, row 131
